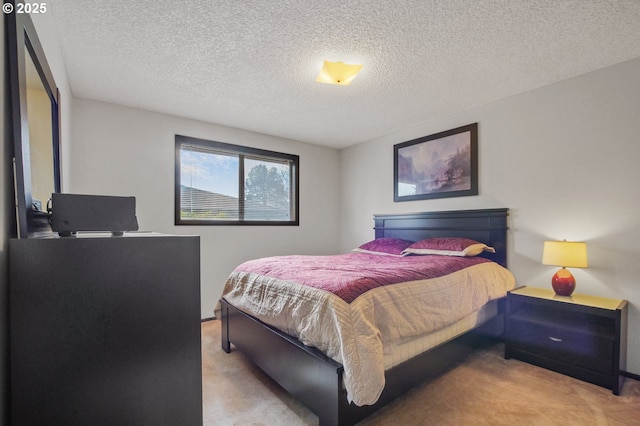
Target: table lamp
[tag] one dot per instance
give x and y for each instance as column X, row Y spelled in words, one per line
column 568, row 254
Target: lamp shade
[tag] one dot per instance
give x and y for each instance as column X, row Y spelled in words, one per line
column 568, row 254
column 338, row 73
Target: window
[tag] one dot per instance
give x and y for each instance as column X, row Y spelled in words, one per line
column 223, row 184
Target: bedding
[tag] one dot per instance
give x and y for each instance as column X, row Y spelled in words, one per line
column 448, row 247
column 401, row 350
column 349, row 306
column 384, row 247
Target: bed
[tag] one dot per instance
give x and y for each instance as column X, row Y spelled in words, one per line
column 311, row 372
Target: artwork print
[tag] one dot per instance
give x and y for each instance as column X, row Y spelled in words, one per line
column 437, row 166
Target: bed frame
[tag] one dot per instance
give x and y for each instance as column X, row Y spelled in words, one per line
column 316, row 380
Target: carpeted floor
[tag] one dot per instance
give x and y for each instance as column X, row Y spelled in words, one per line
column 485, row 390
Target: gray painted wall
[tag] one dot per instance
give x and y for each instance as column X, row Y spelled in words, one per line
column 125, row 151
column 564, row 160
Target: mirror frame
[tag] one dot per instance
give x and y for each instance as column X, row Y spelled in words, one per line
column 22, row 38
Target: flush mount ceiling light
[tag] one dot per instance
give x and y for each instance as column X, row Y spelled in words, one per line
column 338, row 73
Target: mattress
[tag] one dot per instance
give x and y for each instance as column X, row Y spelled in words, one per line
column 356, row 333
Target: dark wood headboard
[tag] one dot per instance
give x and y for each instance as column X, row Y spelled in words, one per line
column 488, row 226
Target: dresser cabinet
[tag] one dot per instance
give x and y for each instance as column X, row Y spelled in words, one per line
column 580, row 336
column 105, row 330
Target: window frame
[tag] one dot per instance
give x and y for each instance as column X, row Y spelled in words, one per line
column 242, row 152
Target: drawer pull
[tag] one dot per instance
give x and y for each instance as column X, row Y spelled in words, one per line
column 555, row 339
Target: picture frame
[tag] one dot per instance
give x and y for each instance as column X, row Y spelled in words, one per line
column 441, row 165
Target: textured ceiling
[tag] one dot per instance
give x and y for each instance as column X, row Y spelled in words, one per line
column 251, row 64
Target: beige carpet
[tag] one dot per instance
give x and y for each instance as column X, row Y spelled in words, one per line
column 485, row 390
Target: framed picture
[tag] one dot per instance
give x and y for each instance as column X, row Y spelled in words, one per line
column 437, row 166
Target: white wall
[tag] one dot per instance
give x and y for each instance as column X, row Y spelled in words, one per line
column 564, row 160
column 125, row 151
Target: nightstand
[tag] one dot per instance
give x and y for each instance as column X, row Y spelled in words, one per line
column 581, row 336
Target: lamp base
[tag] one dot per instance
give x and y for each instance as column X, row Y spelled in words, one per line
column 563, row 283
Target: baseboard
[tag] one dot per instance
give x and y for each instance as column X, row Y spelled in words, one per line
column 207, row 319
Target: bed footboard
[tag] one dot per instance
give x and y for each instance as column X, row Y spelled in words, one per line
column 316, row 380
column 311, row 377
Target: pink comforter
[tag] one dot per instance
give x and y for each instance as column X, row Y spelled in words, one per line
column 308, row 297
column 349, row 275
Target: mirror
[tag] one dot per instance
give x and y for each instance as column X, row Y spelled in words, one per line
column 35, row 106
column 40, row 136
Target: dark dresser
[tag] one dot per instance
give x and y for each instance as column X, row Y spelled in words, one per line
column 105, row 330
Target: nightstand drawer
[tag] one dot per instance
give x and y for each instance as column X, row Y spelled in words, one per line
column 585, row 350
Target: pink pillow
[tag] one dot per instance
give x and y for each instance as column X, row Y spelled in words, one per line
column 448, row 247
column 384, row 246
